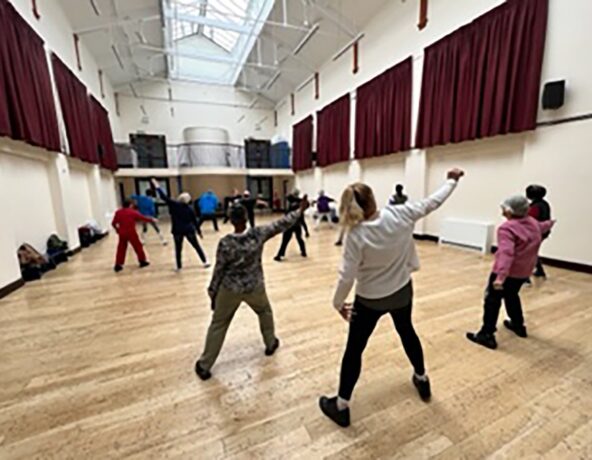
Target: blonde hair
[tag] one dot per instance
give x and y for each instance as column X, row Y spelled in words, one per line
column 184, row 198
column 357, row 204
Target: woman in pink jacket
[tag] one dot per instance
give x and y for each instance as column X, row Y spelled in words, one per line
column 518, row 239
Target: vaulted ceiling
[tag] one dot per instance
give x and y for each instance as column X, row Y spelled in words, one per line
column 266, row 47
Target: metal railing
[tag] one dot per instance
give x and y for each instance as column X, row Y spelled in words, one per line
column 189, row 155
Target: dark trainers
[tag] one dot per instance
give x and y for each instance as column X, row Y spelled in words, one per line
column 117, row 268
column 519, row 331
column 271, row 350
column 486, row 340
column 423, row 388
column 277, row 258
column 329, row 408
column 144, row 263
column 201, row 372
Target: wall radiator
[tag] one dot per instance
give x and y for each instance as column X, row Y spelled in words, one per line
column 467, row 233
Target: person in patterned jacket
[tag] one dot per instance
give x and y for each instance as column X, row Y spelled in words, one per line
column 238, row 277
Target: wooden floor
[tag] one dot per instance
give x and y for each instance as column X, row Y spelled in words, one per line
column 95, row 365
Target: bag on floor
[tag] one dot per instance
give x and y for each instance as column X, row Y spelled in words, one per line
column 33, row 264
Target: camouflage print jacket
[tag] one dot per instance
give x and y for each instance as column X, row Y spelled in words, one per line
column 238, row 258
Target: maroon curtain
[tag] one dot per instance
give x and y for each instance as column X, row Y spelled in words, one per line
column 333, row 131
column 302, row 145
column 27, row 108
column 484, row 79
column 77, row 113
column 103, row 136
column 383, row 112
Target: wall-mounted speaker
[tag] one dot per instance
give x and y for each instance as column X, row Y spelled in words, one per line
column 554, row 95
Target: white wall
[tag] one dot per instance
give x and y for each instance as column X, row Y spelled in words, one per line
column 556, row 156
column 81, row 207
column 219, row 107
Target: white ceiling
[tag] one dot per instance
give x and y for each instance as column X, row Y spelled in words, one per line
column 134, row 29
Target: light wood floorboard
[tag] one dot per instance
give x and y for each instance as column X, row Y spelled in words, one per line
column 95, row 365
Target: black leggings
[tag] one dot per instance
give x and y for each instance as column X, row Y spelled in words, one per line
column 360, row 329
column 295, row 230
column 179, row 247
column 154, row 226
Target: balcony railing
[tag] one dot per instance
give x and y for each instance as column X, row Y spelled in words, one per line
column 203, row 154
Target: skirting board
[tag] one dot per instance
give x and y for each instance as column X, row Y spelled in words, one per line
column 573, row 266
column 10, row 288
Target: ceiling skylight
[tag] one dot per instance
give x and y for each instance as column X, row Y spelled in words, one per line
column 209, row 40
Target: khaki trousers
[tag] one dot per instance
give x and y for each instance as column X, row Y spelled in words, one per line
column 226, row 305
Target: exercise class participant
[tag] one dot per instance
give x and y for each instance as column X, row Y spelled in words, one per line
column 249, row 204
column 147, row 206
column 399, row 197
column 379, row 255
column 206, row 206
column 184, row 224
column 519, row 240
column 238, row 277
column 323, row 209
column 294, row 202
column 124, row 223
column 228, row 200
column 540, row 209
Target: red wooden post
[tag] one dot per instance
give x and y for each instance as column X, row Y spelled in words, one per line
column 77, row 48
column 423, row 14
column 35, row 10
column 317, row 85
column 356, row 58
column 293, row 103
column 101, row 83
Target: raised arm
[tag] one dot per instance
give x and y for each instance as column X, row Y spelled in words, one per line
column 416, row 210
column 163, row 196
column 269, row 231
column 352, row 257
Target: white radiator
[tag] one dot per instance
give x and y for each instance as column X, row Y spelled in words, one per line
column 471, row 234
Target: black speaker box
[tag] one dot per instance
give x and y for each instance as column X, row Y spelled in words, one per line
column 554, row 95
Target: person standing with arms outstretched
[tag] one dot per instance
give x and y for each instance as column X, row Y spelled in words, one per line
column 238, row 277
column 294, row 202
column 184, row 224
column 379, row 255
column 147, row 207
column 124, row 223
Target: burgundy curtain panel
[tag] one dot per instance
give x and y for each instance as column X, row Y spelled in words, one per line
column 383, row 112
column 302, row 145
column 333, row 132
column 77, row 113
column 484, row 79
column 27, row 108
column 103, row 136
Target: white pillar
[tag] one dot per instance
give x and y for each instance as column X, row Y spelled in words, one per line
column 416, row 171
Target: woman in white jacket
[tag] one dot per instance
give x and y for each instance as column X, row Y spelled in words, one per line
column 379, row 256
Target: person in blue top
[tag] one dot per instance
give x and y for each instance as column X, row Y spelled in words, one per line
column 206, row 206
column 146, row 206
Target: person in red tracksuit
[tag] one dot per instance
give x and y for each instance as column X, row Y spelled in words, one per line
column 124, row 222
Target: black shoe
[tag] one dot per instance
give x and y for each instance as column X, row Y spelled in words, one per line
column 117, row 268
column 423, row 388
column 539, row 274
column 519, row 331
column 201, row 372
column 486, row 340
column 329, row 408
column 339, row 243
column 143, row 264
column 277, row 258
column 304, row 255
column 308, row 235
column 271, row 350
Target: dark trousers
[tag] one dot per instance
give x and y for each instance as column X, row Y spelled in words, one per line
column 304, row 226
column 211, row 217
column 179, row 247
column 153, row 224
column 539, row 270
column 295, row 230
column 251, row 217
column 361, row 327
column 510, row 294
